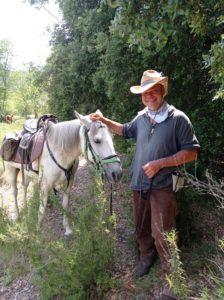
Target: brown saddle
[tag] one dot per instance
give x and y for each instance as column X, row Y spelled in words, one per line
column 32, row 140
column 30, row 147
column 26, row 146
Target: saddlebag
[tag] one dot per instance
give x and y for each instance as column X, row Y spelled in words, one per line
column 9, row 146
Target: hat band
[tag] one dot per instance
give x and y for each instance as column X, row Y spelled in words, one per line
column 147, row 82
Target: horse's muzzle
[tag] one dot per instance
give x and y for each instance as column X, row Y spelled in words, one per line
column 113, row 172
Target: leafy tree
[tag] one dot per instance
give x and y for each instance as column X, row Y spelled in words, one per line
column 26, row 94
column 215, row 62
column 102, row 48
column 74, row 61
column 5, row 57
column 174, row 36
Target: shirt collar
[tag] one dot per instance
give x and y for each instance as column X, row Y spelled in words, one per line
column 160, row 115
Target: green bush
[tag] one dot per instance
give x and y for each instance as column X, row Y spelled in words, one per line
column 176, row 279
column 79, row 268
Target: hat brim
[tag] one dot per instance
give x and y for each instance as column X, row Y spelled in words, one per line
column 138, row 89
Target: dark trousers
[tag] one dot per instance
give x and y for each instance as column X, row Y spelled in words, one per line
column 152, row 217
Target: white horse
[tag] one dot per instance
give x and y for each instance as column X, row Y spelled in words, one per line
column 65, row 142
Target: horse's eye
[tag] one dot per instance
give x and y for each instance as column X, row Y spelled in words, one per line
column 97, row 140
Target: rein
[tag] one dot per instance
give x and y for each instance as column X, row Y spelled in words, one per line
column 68, row 172
column 146, row 198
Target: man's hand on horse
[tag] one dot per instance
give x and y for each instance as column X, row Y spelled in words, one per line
column 95, row 117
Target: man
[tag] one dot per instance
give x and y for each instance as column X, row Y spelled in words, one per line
column 165, row 139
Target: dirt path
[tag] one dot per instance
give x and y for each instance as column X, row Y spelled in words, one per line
column 23, row 289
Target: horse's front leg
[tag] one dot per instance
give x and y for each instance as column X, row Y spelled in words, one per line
column 44, row 190
column 65, row 205
column 65, row 202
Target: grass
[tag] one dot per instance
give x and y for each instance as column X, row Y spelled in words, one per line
column 15, row 126
column 151, row 280
column 84, row 262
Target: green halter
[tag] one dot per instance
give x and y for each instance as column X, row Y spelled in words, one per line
column 99, row 162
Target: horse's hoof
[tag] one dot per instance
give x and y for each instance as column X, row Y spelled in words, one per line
column 68, row 237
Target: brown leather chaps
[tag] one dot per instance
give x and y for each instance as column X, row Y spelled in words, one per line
column 153, row 216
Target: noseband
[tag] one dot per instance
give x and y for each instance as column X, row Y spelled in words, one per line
column 99, row 162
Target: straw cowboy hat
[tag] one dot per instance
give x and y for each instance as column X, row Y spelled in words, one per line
column 149, row 79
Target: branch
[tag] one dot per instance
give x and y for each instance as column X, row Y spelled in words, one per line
column 212, row 187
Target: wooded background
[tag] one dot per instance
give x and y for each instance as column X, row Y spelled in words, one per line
column 102, row 48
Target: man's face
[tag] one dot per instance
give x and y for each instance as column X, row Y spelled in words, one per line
column 153, row 98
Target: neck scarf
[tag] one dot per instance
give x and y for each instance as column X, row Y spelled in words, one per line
column 160, row 115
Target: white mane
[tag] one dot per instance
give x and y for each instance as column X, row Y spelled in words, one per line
column 64, row 135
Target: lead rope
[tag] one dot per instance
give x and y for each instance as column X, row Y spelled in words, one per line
column 145, row 206
column 111, row 199
column 153, row 124
column 111, row 194
column 99, row 165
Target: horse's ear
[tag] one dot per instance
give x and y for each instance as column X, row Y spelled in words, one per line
column 78, row 116
column 85, row 120
column 99, row 112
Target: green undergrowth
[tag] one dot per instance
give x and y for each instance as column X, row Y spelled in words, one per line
column 197, row 262
column 177, row 278
column 75, row 268
column 14, row 127
column 207, row 283
column 200, row 229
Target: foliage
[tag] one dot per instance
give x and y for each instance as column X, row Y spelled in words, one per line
column 219, row 281
column 215, row 289
column 21, row 92
column 176, row 279
column 74, row 269
column 26, row 95
column 5, row 57
column 215, row 62
column 102, row 48
column 13, row 127
column 85, row 261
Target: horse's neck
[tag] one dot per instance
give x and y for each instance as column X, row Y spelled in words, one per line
column 64, row 140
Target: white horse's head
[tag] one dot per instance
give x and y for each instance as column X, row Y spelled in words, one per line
column 97, row 146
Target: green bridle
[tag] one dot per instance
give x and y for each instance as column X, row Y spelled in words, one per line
column 98, row 161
